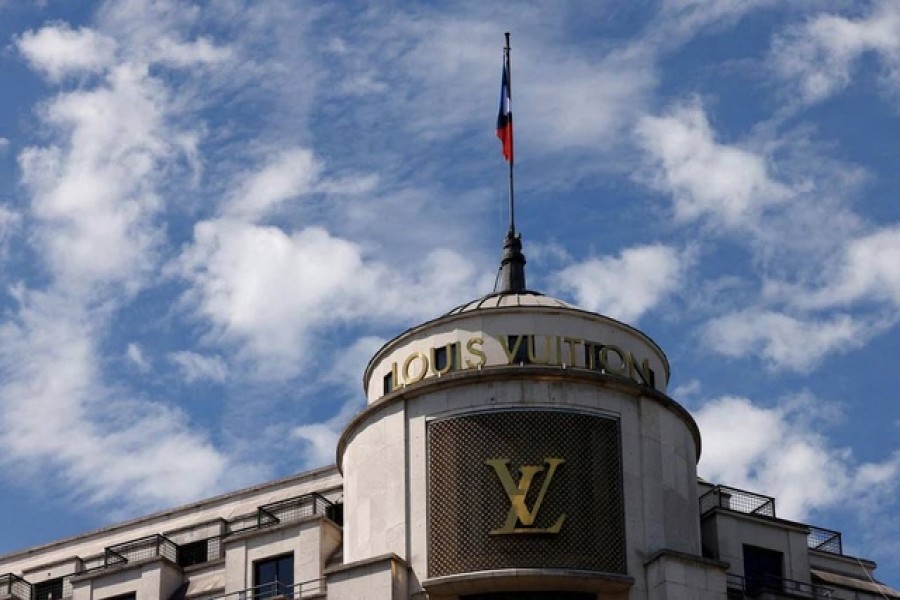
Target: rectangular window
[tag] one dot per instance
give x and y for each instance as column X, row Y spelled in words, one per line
column 49, row 590
column 274, row 577
column 128, row 596
column 763, row 570
column 193, row 553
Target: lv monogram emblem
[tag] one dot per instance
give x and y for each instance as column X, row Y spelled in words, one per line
column 517, row 493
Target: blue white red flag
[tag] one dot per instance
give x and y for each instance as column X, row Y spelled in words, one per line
column 504, row 118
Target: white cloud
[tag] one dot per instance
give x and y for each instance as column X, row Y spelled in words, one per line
column 289, row 174
column 818, row 57
column 727, row 184
column 320, row 441
column 136, row 356
column 58, row 50
column 101, row 444
column 783, row 341
column 779, row 452
column 94, row 190
column 198, row 367
column 867, row 270
column 270, row 290
column 627, row 286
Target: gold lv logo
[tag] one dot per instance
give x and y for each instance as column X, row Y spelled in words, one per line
column 517, row 493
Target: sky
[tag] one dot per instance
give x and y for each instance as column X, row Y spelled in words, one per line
column 213, row 214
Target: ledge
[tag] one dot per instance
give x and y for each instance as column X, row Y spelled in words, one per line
column 685, row 557
column 515, row 580
column 390, row 558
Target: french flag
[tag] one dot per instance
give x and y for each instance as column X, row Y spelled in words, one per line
column 504, row 118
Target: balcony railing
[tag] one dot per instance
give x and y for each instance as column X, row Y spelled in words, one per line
column 825, row 540
column 15, row 587
column 737, row 500
column 140, row 549
column 192, row 553
column 753, row 586
column 276, row 590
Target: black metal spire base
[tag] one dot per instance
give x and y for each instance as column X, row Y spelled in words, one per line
column 512, row 265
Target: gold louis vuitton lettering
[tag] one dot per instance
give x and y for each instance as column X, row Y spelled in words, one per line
column 517, row 493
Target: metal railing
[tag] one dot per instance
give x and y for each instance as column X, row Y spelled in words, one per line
column 292, row 509
column 737, row 500
column 201, row 551
column 140, row 549
column 15, row 587
column 758, row 584
column 825, row 540
column 275, row 589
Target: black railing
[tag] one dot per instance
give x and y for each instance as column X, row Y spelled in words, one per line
column 292, row 509
column 185, row 555
column 825, row 540
column 275, row 589
column 756, row 585
column 15, row 587
column 140, row 549
column 737, row 500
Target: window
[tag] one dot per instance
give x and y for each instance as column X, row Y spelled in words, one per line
column 193, row 553
column 129, row 596
column 51, row 589
column 274, row 577
column 762, row 570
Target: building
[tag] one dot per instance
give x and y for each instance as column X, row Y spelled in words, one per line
column 515, row 448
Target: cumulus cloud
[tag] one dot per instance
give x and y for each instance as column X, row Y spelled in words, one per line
column 56, row 413
column 199, row 367
column 867, row 270
column 270, row 290
column 94, row 192
column 782, row 341
column 627, row 286
column 706, row 179
column 817, row 58
column 780, row 452
column 290, row 173
column 58, row 50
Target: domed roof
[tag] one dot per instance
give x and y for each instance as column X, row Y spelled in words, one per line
column 507, row 299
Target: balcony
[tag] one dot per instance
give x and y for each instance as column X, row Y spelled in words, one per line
column 749, row 503
column 737, row 500
column 770, row 586
column 314, row 588
column 141, row 549
column 14, row 587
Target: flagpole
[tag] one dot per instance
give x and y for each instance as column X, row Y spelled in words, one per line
column 512, row 204
column 511, row 277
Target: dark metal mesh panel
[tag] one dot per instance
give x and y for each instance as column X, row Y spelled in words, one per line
column 737, row 500
column 826, row 540
column 467, row 499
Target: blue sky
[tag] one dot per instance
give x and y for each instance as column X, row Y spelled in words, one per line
column 211, row 216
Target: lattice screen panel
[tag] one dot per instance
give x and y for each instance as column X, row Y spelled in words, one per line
column 467, row 499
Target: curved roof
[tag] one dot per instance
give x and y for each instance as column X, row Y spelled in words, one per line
column 507, row 299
